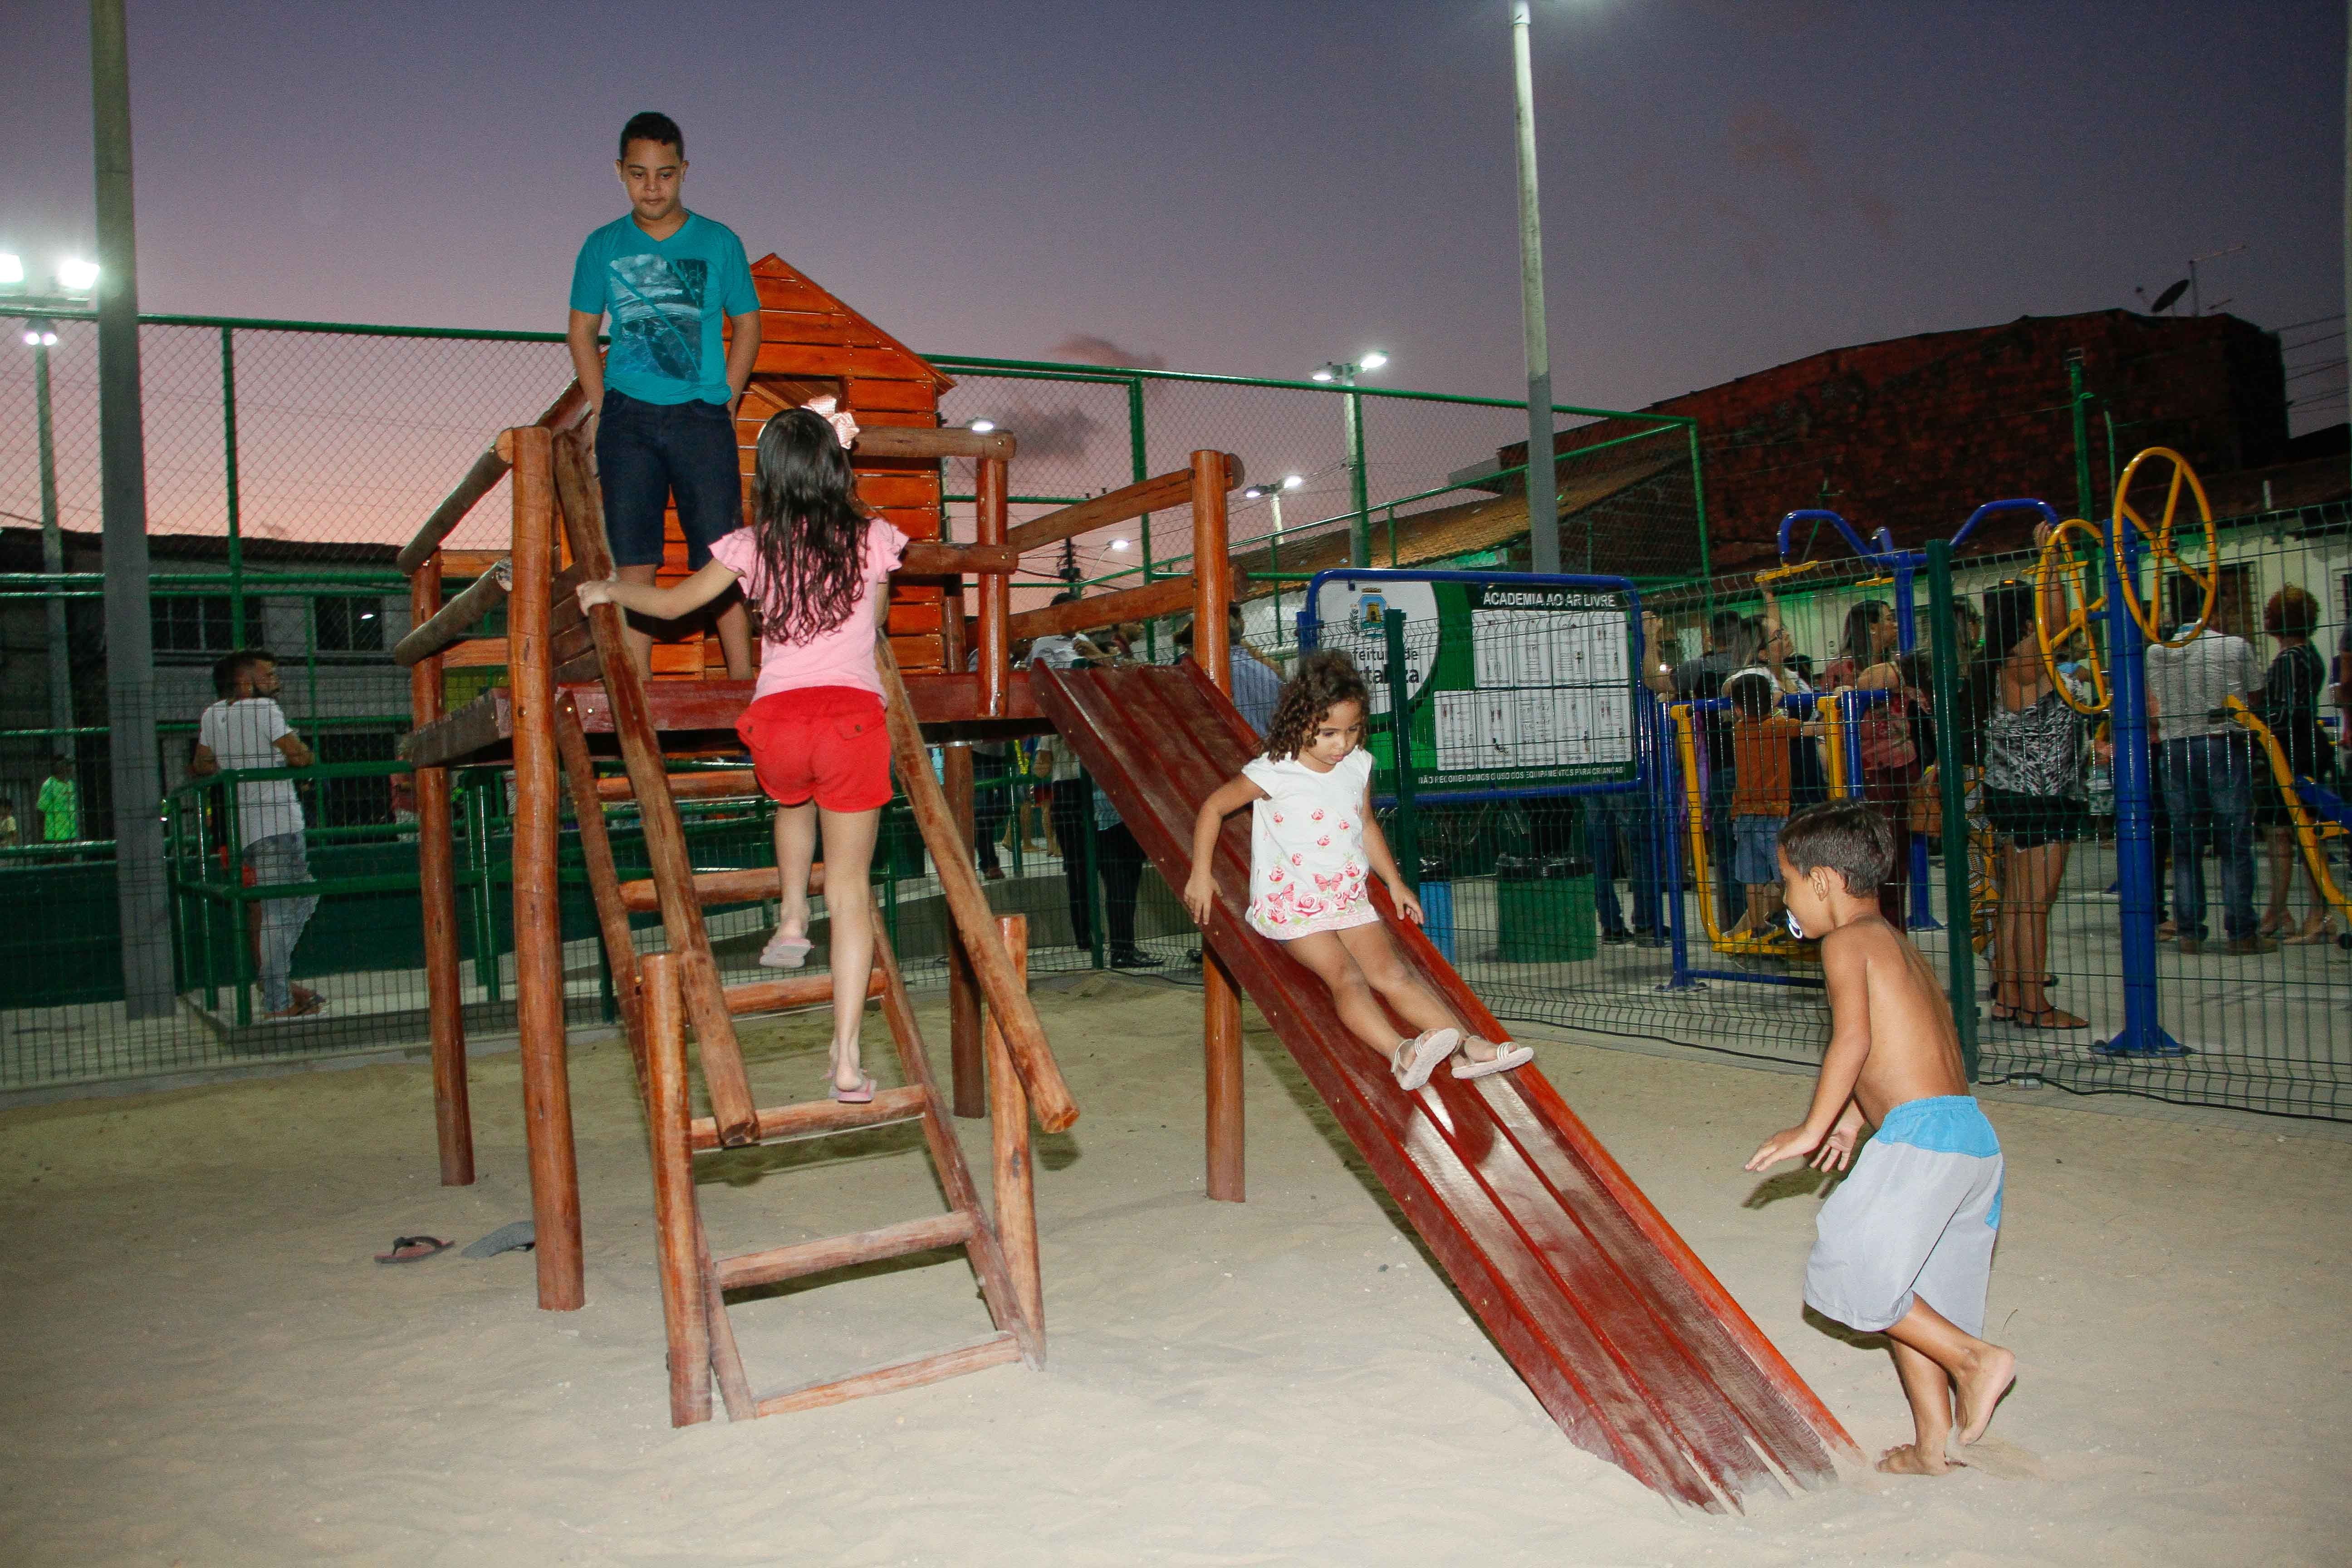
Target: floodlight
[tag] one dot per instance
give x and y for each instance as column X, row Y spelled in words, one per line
column 32, row 338
column 1372, row 361
column 1292, row 481
column 1119, row 544
column 982, row 426
column 1326, row 373
column 1251, row 493
column 76, row 274
column 12, row 266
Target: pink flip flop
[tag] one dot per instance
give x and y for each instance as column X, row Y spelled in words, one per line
column 1507, row 1057
column 784, row 951
column 862, row 1094
column 1423, row 1053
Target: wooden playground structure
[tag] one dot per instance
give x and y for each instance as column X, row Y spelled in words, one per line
column 1619, row 1330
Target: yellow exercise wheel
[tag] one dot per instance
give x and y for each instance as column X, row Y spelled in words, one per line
column 2163, row 541
column 2058, row 556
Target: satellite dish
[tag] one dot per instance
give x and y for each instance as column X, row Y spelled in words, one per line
column 2164, row 301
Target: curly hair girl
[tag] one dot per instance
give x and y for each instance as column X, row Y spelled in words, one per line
column 1325, row 679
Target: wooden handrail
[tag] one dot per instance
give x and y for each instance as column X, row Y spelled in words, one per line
column 568, row 408
column 938, row 558
column 1156, row 494
column 991, row 494
column 1165, row 597
column 453, row 620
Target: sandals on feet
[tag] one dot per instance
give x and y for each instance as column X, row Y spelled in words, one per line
column 784, row 951
column 862, row 1094
column 1507, row 1057
column 1419, row 1057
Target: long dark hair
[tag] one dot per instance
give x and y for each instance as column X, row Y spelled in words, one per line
column 1860, row 622
column 1325, row 679
column 809, row 528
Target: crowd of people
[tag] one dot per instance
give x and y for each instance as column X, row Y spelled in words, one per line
column 2028, row 754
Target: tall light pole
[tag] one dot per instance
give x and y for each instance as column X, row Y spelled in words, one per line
column 1351, row 414
column 41, row 335
column 142, row 903
column 1542, row 472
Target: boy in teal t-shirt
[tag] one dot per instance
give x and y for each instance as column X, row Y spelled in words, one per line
column 664, row 401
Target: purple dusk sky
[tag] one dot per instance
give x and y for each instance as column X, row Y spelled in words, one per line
column 1239, row 187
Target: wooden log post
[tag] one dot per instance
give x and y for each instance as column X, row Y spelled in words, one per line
column 678, row 1227
column 991, row 495
column 1015, row 1204
column 537, row 913
column 966, row 1071
column 436, row 878
column 1220, row 1001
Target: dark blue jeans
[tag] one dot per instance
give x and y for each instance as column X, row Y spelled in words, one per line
column 1605, row 817
column 2208, row 788
column 648, row 452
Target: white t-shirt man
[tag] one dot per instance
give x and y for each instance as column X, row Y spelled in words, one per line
column 244, row 733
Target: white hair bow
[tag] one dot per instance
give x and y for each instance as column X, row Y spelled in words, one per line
column 827, row 409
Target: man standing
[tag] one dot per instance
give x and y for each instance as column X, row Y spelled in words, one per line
column 59, row 803
column 664, row 403
column 247, row 730
column 1729, row 647
column 2207, row 776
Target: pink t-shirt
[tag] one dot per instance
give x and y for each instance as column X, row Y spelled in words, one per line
column 842, row 657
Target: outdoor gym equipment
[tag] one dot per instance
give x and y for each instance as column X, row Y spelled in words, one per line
column 2122, row 695
column 2316, row 813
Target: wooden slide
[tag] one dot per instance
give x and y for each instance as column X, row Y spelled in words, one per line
column 1621, row 1332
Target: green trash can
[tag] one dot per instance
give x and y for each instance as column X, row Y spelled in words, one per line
column 1545, row 909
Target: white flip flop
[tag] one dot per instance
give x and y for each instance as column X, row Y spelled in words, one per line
column 1423, row 1053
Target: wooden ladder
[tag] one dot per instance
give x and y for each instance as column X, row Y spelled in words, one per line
column 660, row 997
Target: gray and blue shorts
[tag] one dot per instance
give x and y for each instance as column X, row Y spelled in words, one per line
column 1917, row 1216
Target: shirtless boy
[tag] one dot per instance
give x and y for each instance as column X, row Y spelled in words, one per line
column 1905, row 1245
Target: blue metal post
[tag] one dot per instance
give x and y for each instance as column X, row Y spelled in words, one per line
column 1669, row 774
column 2143, row 1032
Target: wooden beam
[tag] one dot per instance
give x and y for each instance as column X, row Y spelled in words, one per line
column 603, row 881
column 436, row 891
column 912, row 441
column 679, row 1248
column 816, row 1118
column 1014, row 1175
column 937, row 558
column 537, row 913
column 453, row 620
column 994, row 1350
column 703, row 783
column 1166, row 597
column 777, row 1263
column 800, row 991
column 1157, row 494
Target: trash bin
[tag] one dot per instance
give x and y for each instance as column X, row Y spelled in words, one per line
column 1437, row 904
column 1545, row 909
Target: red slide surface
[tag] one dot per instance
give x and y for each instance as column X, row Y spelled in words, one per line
column 1625, row 1336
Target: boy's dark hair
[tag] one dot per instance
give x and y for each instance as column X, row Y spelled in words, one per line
column 1751, row 696
column 1325, row 679
column 1849, row 836
column 652, row 126
column 228, row 667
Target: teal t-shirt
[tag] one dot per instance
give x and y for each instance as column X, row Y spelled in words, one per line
column 665, row 298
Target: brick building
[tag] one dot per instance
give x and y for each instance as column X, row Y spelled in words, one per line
column 1913, row 433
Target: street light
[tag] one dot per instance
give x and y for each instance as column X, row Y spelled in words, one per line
column 1360, row 528
column 981, row 426
column 78, row 276
column 40, row 335
column 12, row 267
column 1543, row 522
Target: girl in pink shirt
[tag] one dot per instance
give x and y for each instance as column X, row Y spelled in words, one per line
column 813, row 568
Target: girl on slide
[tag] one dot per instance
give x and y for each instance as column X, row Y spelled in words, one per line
column 1313, row 842
column 813, row 568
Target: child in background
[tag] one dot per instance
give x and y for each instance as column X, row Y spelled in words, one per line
column 1760, row 738
column 8, row 822
column 1904, row 1246
column 814, row 567
column 1312, row 842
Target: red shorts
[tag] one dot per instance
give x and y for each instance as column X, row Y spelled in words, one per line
column 828, row 742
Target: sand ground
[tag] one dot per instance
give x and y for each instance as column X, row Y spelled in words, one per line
column 200, row 1365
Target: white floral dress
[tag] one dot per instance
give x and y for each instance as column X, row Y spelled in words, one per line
column 1307, row 869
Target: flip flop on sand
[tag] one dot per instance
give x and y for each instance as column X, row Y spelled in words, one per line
column 409, row 1248
column 515, row 1236
column 1507, row 1057
column 1422, row 1053
column 784, row 951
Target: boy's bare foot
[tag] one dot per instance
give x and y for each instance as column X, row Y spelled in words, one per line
column 1979, row 1389
column 1909, row 1459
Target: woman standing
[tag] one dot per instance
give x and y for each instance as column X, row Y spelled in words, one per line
column 1866, row 667
column 2289, row 704
column 2034, row 796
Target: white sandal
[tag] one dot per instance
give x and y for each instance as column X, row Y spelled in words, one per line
column 1507, row 1057
column 1420, row 1055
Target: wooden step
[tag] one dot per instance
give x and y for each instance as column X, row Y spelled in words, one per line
column 778, row 1264
column 992, row 1350
column 816, row 1118
column 800, row 991
column 703, row 783
column 752, row 885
